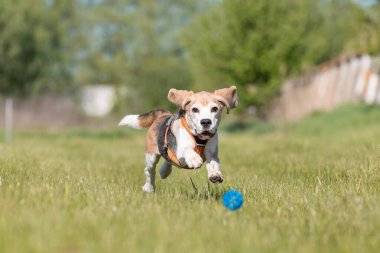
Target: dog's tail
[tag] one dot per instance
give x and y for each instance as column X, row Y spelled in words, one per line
column 143, row 120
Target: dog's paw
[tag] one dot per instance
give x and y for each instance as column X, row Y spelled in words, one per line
column 148, row 188
column 194, row 161
column 215, row 177
column 214, row 174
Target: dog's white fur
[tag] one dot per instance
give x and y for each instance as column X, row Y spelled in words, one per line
column 131, row 121
column 205, row 106
column 150, row 172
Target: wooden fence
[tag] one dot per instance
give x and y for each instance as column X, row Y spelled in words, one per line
column 332, row 84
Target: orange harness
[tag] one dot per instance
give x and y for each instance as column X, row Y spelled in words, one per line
column 199, row 147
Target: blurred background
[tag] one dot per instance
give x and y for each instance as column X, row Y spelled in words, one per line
column 86, row 63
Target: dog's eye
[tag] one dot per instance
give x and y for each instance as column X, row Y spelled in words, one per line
column 195, row 110
column 214, row 109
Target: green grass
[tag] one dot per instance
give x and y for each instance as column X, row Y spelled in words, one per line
column 313, row 186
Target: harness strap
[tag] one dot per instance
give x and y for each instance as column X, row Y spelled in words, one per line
column 171, row 154
column 199, row 148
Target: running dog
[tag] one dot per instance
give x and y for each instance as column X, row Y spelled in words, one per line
column 186, row 139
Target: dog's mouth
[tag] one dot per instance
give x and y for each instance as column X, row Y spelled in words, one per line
column 205, row 134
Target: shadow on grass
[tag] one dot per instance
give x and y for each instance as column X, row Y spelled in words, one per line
column 209, row 193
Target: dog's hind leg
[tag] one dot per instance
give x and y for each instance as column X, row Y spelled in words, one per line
column 150, row 172
column 165, row 170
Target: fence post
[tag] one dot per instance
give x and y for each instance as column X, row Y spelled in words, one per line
column 8, row 119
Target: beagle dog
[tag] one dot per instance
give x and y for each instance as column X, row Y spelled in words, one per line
column 186, row 139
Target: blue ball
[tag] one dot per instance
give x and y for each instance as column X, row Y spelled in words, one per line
column 232, row 200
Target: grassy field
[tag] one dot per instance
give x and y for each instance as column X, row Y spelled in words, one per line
column 308, row 187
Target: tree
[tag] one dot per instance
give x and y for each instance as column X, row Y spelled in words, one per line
column 30, row 47
column 257, row 44
column 372, row 31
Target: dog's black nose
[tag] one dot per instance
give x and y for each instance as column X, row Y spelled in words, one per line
column 206, row 123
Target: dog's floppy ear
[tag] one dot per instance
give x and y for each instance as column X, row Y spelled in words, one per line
column 228, row 97
column 180, row 97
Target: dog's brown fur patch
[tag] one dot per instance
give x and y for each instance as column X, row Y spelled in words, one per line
column 179, row 97
column 229, row 94
column 147, row 119
column 151, row 137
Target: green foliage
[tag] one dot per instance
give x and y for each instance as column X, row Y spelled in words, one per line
column 30, row 47
column 372, row 31
column 153, row 81
column 49, row 43
column 259, row 44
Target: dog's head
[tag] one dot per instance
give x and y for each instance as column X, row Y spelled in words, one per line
column 203, row 109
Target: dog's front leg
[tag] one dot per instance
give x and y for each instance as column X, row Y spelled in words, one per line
column 213, row 167
column 185, row 151
column 192, row 159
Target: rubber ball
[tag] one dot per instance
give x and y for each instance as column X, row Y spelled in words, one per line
column 233, row 200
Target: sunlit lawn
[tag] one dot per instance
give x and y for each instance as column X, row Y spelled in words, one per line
column 312, row 187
